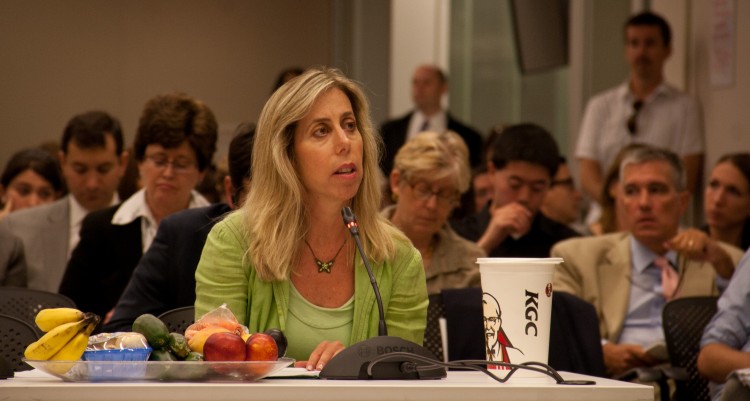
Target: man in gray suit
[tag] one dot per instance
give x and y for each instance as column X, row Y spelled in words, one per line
column 629, row 276
column 93, row 161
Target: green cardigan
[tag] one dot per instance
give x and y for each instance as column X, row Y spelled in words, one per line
column 226, row 275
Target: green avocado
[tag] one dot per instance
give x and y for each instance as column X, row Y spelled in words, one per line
column 155, row 331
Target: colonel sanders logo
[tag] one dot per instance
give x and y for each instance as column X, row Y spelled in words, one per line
column 495, row 341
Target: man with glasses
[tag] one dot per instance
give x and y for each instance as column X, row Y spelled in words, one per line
column 174, row 144
column 93, row 162
column 524, row 159
column 645, row 109
column 629, row 276
column 563, row 200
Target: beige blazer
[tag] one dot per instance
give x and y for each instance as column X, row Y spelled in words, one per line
column 597, row 269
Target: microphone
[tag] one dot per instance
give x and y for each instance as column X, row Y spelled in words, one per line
column 362, row 360
column 351, row 222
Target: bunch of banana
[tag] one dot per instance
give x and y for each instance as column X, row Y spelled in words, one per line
column 67, row 334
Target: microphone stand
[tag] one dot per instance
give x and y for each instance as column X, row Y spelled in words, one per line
column 355, row 362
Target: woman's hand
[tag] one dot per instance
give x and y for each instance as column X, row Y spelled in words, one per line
column 321, row 355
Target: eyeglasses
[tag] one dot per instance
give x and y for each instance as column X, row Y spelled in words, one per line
column 423, row 192
column 632, row 120
column 179, row 166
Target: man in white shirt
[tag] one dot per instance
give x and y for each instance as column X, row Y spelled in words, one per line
column 93, row 162
column 645, row 109
column 428, row 86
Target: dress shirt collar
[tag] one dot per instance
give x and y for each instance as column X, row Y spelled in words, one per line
column 642, row 257
column 78, row 212
column 663, row 90
column 136, row 206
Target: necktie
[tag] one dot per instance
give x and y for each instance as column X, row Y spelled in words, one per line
column 425, row 125
column 669, row 277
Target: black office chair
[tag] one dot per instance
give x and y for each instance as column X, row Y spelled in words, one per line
column 25, row 303
column 575, row 342
column 462, row 310
column 15, row 336
column 683, row 320
column 178, row 319
column 433, row 338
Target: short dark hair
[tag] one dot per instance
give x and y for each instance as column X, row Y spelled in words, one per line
column 88, row 130
column 39, row 161
column 170, row 119
column 648, row 18
column 241, row 155
column 528, row 143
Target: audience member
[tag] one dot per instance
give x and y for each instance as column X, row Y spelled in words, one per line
column 130, row 182
column 610, row 220
column 13, row 271
column 285, row 75
column 93, row 161
column 164, row 278
column 31, row 178
column 644, row 109
column 563, row 200
column 428, row 86
column 725, row 346
column 727, row 200
column 285, row 259
column 174, row 143
column 525, row 157
column 629, row 276
column 429, row 173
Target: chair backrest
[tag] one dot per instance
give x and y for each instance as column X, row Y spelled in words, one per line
column 178, row 319
column 15, row 336
column 433, row 338
column 25, row 303
column 575, row 342
column 684, row 320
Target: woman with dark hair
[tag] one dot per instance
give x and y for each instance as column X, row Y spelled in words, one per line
column 31, row 178
column 727, row 200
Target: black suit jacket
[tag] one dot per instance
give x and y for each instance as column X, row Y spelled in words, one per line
column 164, row 278
column 393, row 133
column 101, row 264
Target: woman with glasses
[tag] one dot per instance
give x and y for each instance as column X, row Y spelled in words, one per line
column 430, row 173
column 174, row 144
column 31, row 178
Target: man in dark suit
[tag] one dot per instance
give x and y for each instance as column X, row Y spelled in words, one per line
column 164, row 279
column 428, row 86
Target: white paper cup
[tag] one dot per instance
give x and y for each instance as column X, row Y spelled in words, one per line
column 517, row 305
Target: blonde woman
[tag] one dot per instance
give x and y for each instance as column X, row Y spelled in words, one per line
column 430, row 173
column 286, row 259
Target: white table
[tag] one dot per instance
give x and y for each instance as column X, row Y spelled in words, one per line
column 35, row 385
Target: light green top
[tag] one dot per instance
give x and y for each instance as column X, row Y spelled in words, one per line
column 307, row 325
column 226, row 275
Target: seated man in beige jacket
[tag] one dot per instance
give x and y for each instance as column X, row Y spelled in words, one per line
column 629, row 276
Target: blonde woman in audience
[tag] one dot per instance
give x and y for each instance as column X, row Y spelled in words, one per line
column 727, row 200
column 430, row 173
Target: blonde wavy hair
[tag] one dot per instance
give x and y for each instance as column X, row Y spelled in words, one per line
column 434, row 156
column 277, row 216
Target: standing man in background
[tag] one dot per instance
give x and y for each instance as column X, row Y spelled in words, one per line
column 93, row 162
column 645, row 109
column 428, row 86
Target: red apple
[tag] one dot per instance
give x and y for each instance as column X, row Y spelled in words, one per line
column 224, row 347
column 261, row 347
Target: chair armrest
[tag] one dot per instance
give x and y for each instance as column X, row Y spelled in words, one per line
column 676, row 373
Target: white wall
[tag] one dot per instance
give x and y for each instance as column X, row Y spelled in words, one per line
column 419, row 34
